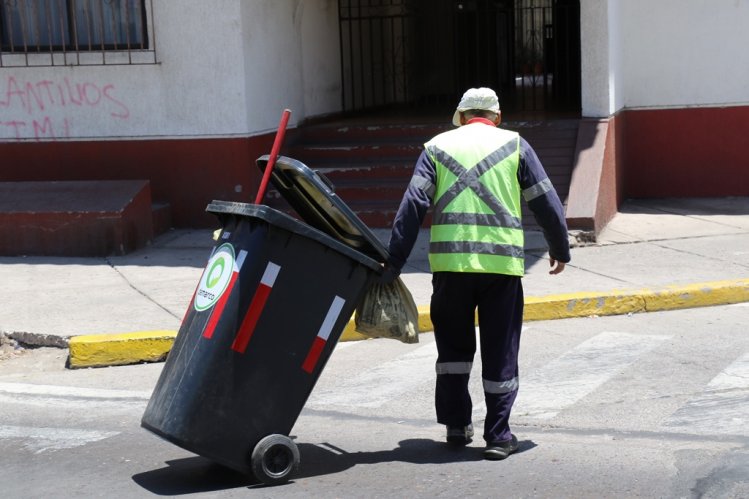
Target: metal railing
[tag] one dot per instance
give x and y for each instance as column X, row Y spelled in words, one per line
column 76, row 32
column 528, row 50
column 547, row 54
column 374, row 36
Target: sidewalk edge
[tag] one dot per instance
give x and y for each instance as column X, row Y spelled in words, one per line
column 101, row 350
column 152, row 346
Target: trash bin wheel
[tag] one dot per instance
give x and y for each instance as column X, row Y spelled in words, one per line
column 275, row 459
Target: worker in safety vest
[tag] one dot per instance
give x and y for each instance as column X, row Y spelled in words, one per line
column 473, row 177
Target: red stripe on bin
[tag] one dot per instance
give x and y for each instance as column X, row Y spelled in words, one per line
column 314, row 355
column 256, row 308
column 334, row 312
column 250, row 320
column 218, row 308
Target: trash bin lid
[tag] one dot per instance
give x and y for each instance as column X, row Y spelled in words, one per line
column 290, row 225
column 312, row 196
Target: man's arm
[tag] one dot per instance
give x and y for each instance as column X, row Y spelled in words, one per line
column 546, row 206
column 411, row 213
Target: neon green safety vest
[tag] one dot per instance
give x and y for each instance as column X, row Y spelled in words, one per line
column 476, row 220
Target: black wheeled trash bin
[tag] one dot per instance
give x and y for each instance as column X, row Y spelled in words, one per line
column 268, row 310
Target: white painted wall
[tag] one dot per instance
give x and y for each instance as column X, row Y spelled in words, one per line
column 291, row 52
column 685, row 52
column 201, row 77
column 226, row 67
column 595, row 56
column 663, row 53
column 195, row 90
column 617, row 40
column 321, row 57
column 273, row 76
column 230, row 67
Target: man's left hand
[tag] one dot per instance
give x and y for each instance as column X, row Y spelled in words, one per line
column 557, row 267
column 389, row 274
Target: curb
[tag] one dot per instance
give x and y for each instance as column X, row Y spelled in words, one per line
column 103, row 350
column 620, row 302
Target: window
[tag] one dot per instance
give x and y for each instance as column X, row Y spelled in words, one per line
column 73, row 26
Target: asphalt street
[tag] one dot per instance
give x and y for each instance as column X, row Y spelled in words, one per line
column 641, row 405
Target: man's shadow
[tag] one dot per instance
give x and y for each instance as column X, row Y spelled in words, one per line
column 197, row 474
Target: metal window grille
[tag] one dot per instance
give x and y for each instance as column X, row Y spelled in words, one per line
column 76, row 32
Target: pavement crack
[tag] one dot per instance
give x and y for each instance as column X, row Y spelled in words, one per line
column 139, row 291
column 687, row 252
column 701, row 218
column 582, row 269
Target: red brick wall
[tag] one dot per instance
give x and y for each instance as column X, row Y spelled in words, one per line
column 690, row 152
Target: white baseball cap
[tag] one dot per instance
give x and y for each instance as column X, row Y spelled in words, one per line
column 477, row 98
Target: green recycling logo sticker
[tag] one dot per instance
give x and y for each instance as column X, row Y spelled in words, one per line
column 215, row 278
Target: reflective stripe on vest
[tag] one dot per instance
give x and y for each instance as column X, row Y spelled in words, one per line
column 476, row 223
column 537, row 190
column 423, row 184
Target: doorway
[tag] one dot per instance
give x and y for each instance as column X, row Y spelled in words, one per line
column 427, row 52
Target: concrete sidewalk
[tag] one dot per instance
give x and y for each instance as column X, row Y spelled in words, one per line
column 655, row 255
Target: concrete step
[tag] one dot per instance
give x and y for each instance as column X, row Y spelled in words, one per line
column 370, row 133
column 315, row 154
column 75, row 218
column 370, row 165
column 162, row 217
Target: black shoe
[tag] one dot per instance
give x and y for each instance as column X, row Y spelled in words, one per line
column 500, row 450
column 459, row 435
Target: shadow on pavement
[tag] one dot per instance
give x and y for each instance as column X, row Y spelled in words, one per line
column 197, row 474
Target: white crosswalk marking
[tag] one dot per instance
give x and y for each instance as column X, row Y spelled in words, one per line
column 71, row 397
column 723, row 407
column 544, row 393
column 378, row 385
column 577, row 373
column 39, row 440
column 71, row 391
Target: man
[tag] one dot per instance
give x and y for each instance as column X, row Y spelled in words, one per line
column 473, row 178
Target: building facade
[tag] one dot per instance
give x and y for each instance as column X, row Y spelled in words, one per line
column 188, row 94
column 190, row 112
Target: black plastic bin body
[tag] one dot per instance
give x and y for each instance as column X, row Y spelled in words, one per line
column 271, row 304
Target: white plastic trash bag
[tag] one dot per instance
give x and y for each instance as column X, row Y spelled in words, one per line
column 388, row 311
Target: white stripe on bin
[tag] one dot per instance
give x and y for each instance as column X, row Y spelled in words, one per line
column 330, row 319
column 270, row 274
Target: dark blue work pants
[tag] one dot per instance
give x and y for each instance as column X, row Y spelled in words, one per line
column 499, row 300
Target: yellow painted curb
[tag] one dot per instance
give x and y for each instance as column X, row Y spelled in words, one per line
column 98, row 350
column 698, row 295
column 571, row 305
column 616, row 302
column 151, row 346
